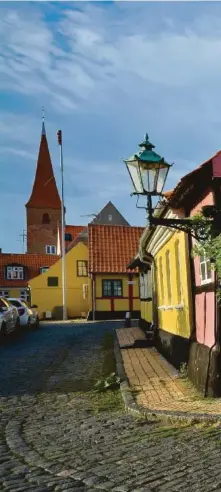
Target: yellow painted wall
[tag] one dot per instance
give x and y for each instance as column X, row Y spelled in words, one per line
column 119, row 304
column 146, row 311
column 13, row 291
column 48, row 298
column 174, row 304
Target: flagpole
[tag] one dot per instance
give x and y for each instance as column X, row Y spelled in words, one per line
column 59, row 135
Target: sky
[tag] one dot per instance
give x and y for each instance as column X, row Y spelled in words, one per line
column 106, row 73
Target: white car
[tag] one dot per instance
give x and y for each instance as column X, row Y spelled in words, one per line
column 28, row 316
column 9, row 317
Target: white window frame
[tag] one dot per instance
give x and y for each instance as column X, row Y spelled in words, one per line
column 4, row 293
column 50, row 249
column 24, row 295
column 142, row 286
column 208, row 271
column 12, row 270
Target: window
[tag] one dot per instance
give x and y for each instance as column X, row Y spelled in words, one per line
column 82, row 270
column 112, row 288
column 205, row 269
column 161, row 280
column 45, row 219
column 15, row 303
column 44, row 269
column 4, row 293
column 110, row 218
column 168, row 272
column 15, row 272
column 178, row 272
column 68, row 237
column 52, row 281
column 50, row 250
column 24, row 295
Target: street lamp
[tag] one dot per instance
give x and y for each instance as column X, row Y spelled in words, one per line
column 148, row 172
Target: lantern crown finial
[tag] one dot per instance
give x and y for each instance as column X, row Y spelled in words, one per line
column 146, row 144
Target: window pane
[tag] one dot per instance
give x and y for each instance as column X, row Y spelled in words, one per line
column 203, row 271
column 82, row 269
column 106, row 288
column 52, row 281
column 208, row 266
column 117, row 288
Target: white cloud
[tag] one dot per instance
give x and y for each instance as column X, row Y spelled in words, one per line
column 107, row 74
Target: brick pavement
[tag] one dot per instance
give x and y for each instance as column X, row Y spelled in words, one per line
column 52, row 440
column 156, row 383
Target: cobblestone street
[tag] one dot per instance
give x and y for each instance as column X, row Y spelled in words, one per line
column 52, row 439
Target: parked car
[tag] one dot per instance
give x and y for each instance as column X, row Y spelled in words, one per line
column 28, row 315
column 9, row 317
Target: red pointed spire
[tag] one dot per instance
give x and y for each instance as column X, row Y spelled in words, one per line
column 44, row 193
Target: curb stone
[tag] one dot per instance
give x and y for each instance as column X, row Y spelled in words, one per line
column 155, row 415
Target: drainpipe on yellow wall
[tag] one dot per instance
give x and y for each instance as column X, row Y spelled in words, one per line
column 93, row 296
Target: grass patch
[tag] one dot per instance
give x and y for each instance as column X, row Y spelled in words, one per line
column 108, row 401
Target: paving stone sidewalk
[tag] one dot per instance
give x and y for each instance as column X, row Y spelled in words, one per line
column 53, row 440
column 156, row 384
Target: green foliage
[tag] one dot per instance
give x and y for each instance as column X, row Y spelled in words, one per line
column 110, row 382
column 183, row 370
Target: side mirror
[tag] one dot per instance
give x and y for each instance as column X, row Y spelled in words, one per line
column 34, row 306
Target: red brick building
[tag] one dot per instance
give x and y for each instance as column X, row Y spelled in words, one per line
column 43, row 209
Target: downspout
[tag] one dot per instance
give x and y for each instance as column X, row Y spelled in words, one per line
column 193, row 284
column 93, row 297
column 217, row 203
column 216, row 321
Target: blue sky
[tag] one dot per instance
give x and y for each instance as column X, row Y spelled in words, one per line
column 106, row 73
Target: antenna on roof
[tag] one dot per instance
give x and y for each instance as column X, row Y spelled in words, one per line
column 90, row 215
column 23, row 236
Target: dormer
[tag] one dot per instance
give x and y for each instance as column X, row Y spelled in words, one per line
column 15, row 271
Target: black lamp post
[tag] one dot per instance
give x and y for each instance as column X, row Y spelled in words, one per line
column 148, row 172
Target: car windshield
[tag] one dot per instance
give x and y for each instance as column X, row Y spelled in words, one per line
column 15, row 303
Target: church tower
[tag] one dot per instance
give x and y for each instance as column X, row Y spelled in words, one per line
column 43, row 209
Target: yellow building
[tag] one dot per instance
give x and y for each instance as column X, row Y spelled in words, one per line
column 115, row 289
column 98, row 284
column 165, row 287
column 16, row 270
column 46, row 289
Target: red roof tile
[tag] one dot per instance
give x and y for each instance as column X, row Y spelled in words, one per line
column 44, row 193
column 74, row 231
column 33, row 263
column 188, row 178
column 112, row 247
